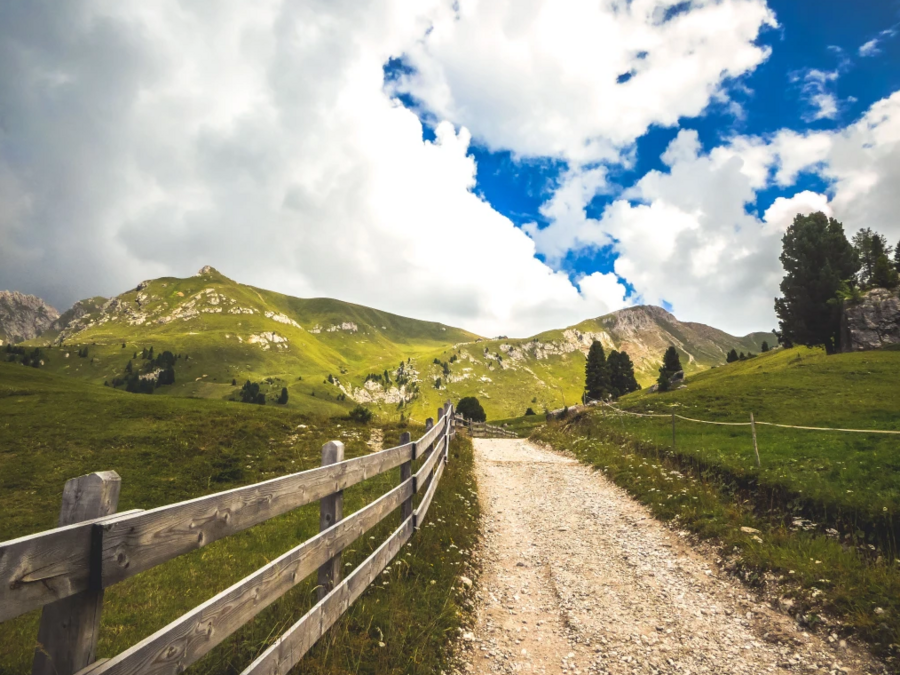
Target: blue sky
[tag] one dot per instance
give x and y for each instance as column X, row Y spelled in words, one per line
column 505, row 166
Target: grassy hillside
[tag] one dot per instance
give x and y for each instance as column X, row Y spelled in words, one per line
column 823, row 506
column 168, row 449
column 330, row 355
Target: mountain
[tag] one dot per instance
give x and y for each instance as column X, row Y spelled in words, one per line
column 23, row 317
column 330, row 354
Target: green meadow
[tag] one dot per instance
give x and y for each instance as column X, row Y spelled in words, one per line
column 168, row 449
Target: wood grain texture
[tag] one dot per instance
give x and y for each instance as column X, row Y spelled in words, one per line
column 44, row 567
column 428, row 438
column 406, row 508
column 136, row 543
column 297, row 640
column 68, row 632
column 187, row 639
column 419, row 514
column 425, row 472
column 331, row 511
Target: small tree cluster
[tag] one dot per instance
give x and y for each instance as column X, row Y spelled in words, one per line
column 608, row 376
column 250, row 393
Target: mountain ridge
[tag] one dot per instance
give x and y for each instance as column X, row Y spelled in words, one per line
column 330, row 354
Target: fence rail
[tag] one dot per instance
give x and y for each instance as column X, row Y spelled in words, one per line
column 65, row 570
column 484, row 430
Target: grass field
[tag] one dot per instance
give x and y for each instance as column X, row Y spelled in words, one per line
column 826, row 504
column 168, row 449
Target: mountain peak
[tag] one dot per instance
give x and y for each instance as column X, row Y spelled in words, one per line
column 207, row 269
column 23, row 317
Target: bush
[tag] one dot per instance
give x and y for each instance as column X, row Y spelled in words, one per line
column 360, row 414
column 528, row 412
column 283, row 399
column 471, row 409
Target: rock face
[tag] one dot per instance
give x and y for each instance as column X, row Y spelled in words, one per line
column 23, row 317
column 872, row 323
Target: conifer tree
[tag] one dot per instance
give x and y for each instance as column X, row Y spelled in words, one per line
column 897, row 257
column 732, row 356
column 817, row 258
column 765, row 347
column 884, row 275
column 283, row 399
column 596, row 373
column 671, row 365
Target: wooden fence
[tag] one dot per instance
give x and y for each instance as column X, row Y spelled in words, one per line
column 483, row 429
column 65, row 570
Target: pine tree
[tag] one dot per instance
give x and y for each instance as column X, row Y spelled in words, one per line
column 884, row 275
column 671, row 365
column 283, row 399
column 816, row 257
column 764, row 347
column 621, row 373
column 596, row 373
column 870, row 246
column 897, row 257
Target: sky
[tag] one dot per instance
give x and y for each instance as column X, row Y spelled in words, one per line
column 506, row 166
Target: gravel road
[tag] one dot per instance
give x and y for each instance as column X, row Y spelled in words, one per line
column 579, row 578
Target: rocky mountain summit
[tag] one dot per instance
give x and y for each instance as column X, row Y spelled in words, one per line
column 871, row 323
column 23, row 317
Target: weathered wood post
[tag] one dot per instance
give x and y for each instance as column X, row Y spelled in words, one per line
column 331, row 510
column 448, row 432
column 406, row 508
column 755, row 446
column 673, row 431
column 67, row 637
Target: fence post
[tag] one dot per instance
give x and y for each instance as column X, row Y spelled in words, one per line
column 406, row 508
column 67, row 637
column 673, row 431
column 755, row 446
column 331, row 510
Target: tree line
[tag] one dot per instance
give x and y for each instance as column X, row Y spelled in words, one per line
column 823, row 270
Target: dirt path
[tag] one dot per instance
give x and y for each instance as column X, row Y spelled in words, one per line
column 579, row 578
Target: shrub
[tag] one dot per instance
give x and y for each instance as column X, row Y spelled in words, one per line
column 360, row 414
column 471, row 409
column 528, row 412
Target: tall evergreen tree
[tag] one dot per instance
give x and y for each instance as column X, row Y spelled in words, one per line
column 283, row 399
column 732, row 356
column 671, row 364
column 621, row 373
column 764, row 347
column 816, row 257
column 884, row 275
column 869, row 246
column 596, row 373
column 897, row 257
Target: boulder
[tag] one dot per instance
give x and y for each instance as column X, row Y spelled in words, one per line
column 872, row 323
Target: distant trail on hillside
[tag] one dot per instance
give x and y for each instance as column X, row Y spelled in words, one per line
column 579, row 578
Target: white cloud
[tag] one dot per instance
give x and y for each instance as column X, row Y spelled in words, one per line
column 149, row 139
column 540, row 77
column 688, row 235
column 817, row 90
column 873, row 46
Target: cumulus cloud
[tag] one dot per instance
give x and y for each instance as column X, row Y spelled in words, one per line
column 148, row 139
column 689, row 235
column 579, row 80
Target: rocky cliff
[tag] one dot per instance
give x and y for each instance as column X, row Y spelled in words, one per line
column 23, row 317
column 872, row 323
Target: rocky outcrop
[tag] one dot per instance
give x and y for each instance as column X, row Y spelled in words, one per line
column 23, row 317
column 872, row 323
